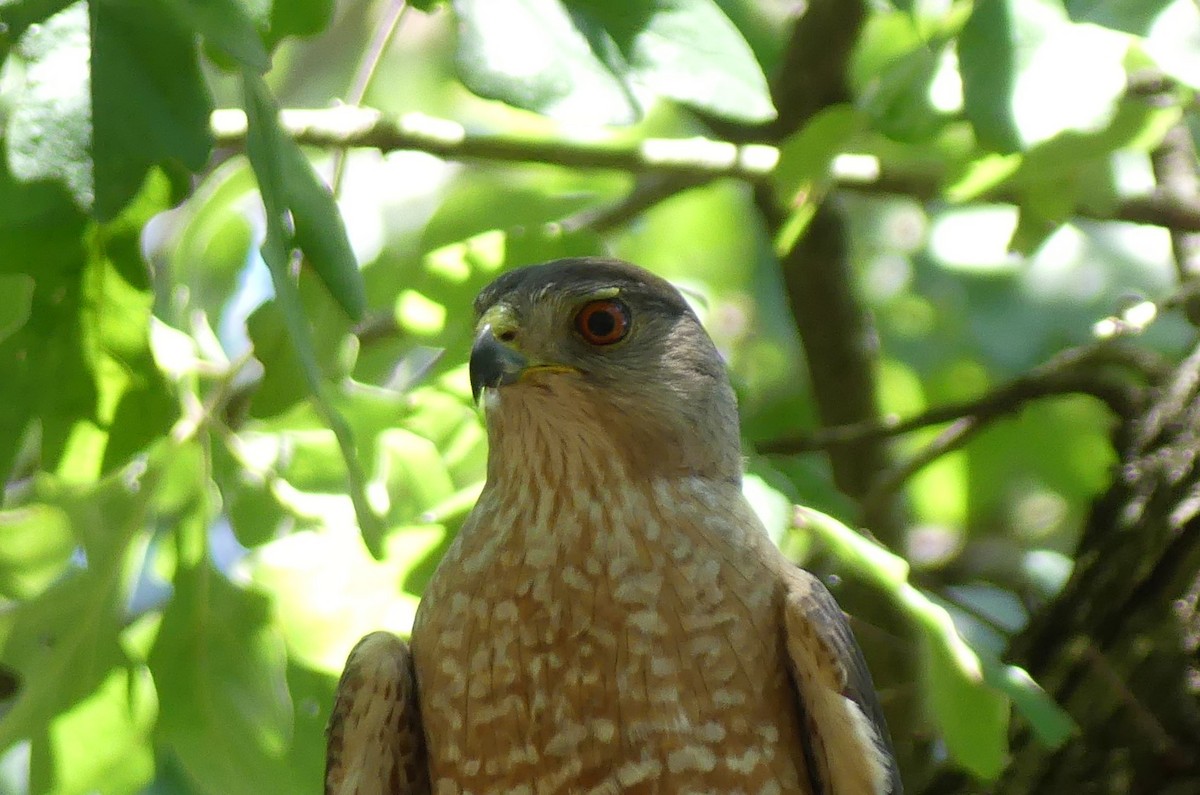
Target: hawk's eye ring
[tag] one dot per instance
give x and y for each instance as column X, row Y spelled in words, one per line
column 603, row 322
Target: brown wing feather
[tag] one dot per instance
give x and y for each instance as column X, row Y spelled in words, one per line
column 850, row 746
column 375, row 742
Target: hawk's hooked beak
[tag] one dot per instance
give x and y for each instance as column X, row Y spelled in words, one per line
column 493, row 363
column 496, row 363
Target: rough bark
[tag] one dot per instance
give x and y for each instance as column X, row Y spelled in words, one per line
column 1119, row 647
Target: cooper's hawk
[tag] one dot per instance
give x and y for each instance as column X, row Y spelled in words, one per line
column 612, row 617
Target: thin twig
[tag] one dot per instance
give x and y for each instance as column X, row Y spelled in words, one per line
column 1062, row 375
column 889, row 482
column 649, row 191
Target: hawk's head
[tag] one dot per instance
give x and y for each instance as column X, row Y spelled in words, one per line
column 599, row 353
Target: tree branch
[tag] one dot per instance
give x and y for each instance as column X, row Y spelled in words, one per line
column 349, row 126
column 1072, row 372
column 698, row 159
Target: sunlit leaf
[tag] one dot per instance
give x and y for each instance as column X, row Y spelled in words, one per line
column 102, row 743
column 49, row 129
column 36, row 543
column 1052, row 724
column 972, row 718
column 65, row 642
column 773, row 509
column 1173, row 41
column 686, row 50
column 590, row 60
column 409, row 476
column 419, row 315
column 330, row 591
column 1029, row 73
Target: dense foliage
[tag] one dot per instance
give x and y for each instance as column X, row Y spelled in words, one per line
column 235, row 426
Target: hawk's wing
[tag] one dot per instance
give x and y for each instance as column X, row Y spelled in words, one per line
column 375, row 742
column 850, row 751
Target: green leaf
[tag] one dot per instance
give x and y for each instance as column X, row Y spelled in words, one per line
column 418, row 315
column 410, row 477
column 209, row 253
column 806, row 156
column 938, row 490
column 587, row 60
column 447, row 419
column 150, row 104
column 1033, row 229
column 863, row 557
column 329, row 592
column 291, row 188
column 65, row 641
column 773, row 508
column 102, row 743
column 278, row 164
column 1029, row 74
column 1131, row 16
column 686, row 50
column 530, row 53
column 319, row 231
column 16, row 299
column 220, row 667
column 274, row 346
column 226, row 25
column 254, row 512
column 973, row 719
column 312, row 701
column 49, row 130
column 81, row 364
column 1173, row 41
column 36, row 543
column 16, row 16
column 133, row 399
column 968, row 692
column 298, row 18
column 1051, row 723
column 900, row 103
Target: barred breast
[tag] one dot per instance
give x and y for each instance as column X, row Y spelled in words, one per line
column 630, row 643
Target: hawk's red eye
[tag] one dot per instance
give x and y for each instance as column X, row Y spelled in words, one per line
column 603, row 322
